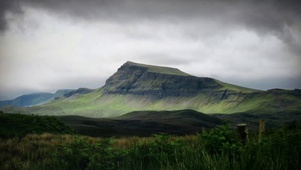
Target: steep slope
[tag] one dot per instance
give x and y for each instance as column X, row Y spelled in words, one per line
column 143, row 87
column 159, row 82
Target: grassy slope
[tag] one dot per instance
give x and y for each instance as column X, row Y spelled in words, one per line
column 98, row 104
column 227, row 86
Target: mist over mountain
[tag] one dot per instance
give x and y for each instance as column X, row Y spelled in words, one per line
column 34, row 99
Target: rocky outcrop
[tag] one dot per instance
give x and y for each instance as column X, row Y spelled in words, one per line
column 142, row 80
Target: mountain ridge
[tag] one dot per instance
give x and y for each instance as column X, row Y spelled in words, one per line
column 27, row 100
column 35, row 99
column 137, row 87
column 141, row 79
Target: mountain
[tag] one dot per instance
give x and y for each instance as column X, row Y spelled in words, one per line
column 34, row 99
column 62, row 92
column 78, row 91
column 27, row 100
column 137, row 87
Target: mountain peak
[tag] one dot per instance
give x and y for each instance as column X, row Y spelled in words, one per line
column 152, row 68
column 158, row 81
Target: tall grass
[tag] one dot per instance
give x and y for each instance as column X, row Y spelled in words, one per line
column 215, row 149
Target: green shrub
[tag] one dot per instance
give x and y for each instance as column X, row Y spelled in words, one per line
column 218, row 148
column 221, row 140
column 20, row 125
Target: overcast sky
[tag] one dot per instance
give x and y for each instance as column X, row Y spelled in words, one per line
column 47, row 45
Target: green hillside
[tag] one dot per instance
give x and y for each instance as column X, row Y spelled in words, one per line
column 98, row 104
column 144, row 87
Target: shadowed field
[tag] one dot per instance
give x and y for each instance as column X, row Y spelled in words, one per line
column 143, row 123
column 179, row 122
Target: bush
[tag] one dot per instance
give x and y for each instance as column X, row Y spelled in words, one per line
column 20, row 125
column 222, row 140
column 218, row 148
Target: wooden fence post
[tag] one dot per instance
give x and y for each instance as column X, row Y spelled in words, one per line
column 261, row 129
column 242, row 132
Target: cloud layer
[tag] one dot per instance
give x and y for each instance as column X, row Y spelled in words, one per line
column 52, row 44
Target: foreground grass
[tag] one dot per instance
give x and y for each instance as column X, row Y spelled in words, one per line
column 216, row 149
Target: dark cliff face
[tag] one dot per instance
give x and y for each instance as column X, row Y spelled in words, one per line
column 142, row 80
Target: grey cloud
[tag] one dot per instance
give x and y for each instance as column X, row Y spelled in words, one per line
column 275, row 17
column 263, row 16
column 5, row 7
column 188, row 34
column 268, row 83
column 163, row 58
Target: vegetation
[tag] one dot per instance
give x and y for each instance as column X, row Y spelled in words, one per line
column 159, row 69
column 19, row 125
column 218, row 148
column 143, row 87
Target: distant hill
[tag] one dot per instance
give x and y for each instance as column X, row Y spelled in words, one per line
column 78, row 91
column 178, row 122
column 144, row 123
column 34, row 99
column 27, row 100
column 177, row 117
column 137, row 87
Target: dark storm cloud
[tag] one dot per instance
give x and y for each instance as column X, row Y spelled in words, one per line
column 264, row 16
column 7, row 6
column 232, row 39
column 277, row 17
